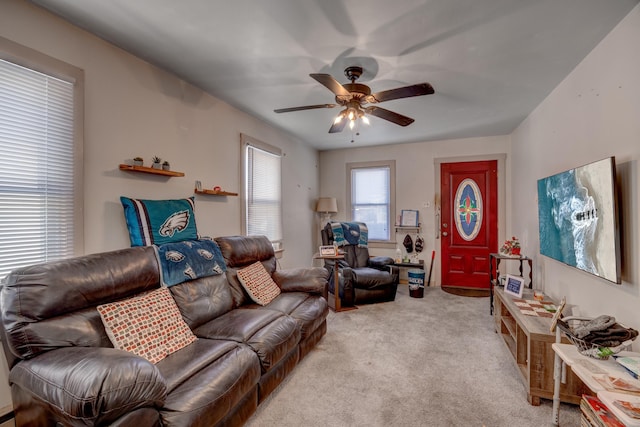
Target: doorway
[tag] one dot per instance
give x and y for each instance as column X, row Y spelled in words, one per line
column 468, row 223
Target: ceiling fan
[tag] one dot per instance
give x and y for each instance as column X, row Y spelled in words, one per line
column 354, row 97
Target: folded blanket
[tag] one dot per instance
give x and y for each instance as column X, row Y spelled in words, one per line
column 600, row 323
column 612, row 336
column 350, row 233
column 188, row 260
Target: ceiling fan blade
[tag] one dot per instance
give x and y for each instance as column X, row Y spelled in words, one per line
column 383, row 113
column 401, row 92
column 338, row 127
column 306, row 107
column 330, row 83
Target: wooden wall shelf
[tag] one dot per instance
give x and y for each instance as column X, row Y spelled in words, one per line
column 215, row 193
column 407, row 228
column 144, row 169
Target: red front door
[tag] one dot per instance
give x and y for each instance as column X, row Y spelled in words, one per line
column 469, row 223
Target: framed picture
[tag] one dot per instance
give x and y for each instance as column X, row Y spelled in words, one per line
column 409, row 218
column 327, row 251
column 558, row 314
column 198, row 186
column 514, row 285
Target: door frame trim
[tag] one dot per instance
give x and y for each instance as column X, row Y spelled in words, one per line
column 503, row 184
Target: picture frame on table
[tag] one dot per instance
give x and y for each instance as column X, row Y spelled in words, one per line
column 327, row 251
column 409, row 218
column 514, row 285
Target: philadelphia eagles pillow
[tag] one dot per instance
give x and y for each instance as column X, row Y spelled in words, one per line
column 159, row 221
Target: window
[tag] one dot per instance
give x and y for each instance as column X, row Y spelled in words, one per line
column 262, row 207
column 40, row 159
column 371, row 191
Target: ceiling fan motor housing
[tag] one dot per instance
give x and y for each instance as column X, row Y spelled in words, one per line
column 357, row 91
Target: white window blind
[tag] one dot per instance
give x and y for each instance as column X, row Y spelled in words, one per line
column 36, row 167
column 371, row 199
column 263, row 193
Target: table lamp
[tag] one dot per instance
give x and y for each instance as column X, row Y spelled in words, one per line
column 326, row 206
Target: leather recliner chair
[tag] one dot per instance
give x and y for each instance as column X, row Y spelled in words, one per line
column 363, row 279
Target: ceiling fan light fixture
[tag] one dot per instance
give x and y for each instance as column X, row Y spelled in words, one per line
column 353, row 97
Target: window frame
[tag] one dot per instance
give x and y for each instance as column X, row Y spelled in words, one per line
column 245, row 142
column 39, row 62
column 391, row 164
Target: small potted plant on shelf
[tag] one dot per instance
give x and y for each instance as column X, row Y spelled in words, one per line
column 156, row 162
column 515, row 246
column 138, row 161
column 511, row 247
column 166, row 166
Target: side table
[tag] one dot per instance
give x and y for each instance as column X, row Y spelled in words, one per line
column 418, row 265
column 336, row 279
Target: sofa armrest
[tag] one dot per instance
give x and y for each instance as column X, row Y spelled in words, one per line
column 381, row 262
column 312, row 280
column 97, row 385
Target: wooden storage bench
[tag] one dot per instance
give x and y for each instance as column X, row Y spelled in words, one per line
column 529, row 341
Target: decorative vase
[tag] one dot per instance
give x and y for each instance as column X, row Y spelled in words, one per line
column 156, row 166
column 515, row 251
column 138, row 162
column 165, row 167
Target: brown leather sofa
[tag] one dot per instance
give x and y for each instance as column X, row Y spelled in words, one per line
column 65, row 372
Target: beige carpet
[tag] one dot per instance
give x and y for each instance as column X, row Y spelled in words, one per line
column 432, row 361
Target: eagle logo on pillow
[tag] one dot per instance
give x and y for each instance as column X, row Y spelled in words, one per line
column 175, row 223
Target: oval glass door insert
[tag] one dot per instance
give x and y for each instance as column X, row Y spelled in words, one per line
column 468, row 213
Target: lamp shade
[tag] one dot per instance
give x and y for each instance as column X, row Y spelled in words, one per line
column 327, row 205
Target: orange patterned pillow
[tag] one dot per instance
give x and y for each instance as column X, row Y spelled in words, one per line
column 258, row 283
column 149, row 325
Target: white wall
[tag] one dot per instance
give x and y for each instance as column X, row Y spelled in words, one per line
column 594, row 113
column 133, row 108
column 417, row 180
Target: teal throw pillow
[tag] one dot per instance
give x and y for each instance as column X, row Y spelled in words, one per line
column 159, row 221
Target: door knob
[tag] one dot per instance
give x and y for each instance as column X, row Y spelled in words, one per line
column 445, row 234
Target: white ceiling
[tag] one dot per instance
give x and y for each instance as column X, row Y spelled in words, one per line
column 491, row 62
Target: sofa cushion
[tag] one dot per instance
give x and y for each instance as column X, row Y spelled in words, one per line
column 159, row 221
column 310, row 311
column 271, row 334
column 370, row 278
column 240, row 251
column 53, row 305
column 95, row 385
column 206, row 380
column 203, row 299
column 258, row 283
column 148, row 325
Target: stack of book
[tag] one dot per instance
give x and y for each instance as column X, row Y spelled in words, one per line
column 594, row 413
column 618, row 404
